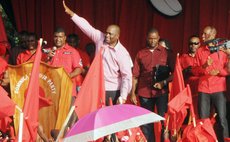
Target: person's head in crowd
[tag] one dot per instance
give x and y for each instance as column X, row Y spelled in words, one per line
column 153, row 38
column 59, row 37
column 32, row 41
column 23, row 35
column 209, row 33
column 112, row 35
column 165, row 43
column 73, row 40
column 194, row 44
column 90, row 50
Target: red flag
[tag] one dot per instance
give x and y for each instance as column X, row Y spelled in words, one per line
column 7, row 106
column 203, row 132
column 31, row 105
column 178, row 80
column 175, row 88
column 179, row 101
column 4, row 45
column 3, row 37
column 92, row 92
column 178, row 107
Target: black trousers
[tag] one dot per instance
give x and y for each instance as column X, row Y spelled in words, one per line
column 114, row 95
column 219, row 101
column 149, row 103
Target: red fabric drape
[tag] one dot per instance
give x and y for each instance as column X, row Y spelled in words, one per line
column 134, row 16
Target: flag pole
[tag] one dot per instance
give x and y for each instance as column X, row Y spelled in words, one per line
column 167, row 125
column 65, row 123
column 20, row 130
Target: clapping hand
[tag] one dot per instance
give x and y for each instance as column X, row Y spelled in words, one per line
column 208, row 62
column 214, row 72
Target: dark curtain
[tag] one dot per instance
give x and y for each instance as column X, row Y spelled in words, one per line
column 135, row 17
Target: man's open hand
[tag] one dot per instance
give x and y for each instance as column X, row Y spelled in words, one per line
column 67, row 10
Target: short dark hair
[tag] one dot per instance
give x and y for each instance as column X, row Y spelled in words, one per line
column 32, row 34
column 59, row 30
column 194, row 35
column 152, row 30
column 75, row 38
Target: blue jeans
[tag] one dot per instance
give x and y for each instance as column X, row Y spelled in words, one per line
column 219, row 101
column 149, row 104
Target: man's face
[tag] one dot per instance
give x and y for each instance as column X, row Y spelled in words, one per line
column 59, row 39
column 31, row 43
column 72, row 42
column 207, row 34
column 152, row 40
column 23, row 41
column 194, row 44
column 111, row 35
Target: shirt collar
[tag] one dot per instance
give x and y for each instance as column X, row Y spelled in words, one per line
column 65, row 46
column 116, row 47
column 158, row 48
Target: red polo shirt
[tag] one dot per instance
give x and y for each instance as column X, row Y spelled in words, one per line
column 85, row 57
column 143, row 65
column 187, row 60
column 208, row 83
column 86, row 64
column 25, row 57
column 69, row 58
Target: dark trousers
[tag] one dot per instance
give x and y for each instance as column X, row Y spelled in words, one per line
column 149, row 104
column 114, row 95
column 219, row 101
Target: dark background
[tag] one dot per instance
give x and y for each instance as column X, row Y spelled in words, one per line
column 135, row 17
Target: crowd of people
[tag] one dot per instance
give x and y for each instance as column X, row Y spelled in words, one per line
column 204, row 70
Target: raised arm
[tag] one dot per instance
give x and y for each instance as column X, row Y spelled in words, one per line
column 84, row 25
column 67, row 10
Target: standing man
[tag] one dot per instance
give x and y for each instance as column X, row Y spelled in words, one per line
column 116, row 59
column 212, row 81
column 188, row 61
column 73, row 40
column 63, row 55
column 150, row 92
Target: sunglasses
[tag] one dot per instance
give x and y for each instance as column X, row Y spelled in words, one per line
column 194, row 43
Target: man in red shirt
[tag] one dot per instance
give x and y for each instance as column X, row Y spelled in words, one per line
column 65, row 56
column 150, row 94
column 188, row 61
column 211, row 69
column 73, row 40
column 29, row 54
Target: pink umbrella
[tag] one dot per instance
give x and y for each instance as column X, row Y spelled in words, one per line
column 108, row 120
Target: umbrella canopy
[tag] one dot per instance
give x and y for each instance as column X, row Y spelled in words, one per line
column 109, row 120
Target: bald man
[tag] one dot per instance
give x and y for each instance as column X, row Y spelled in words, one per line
column 117, row 62
column 212, row 81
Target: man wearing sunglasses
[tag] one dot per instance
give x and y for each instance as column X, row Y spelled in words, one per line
column 188, row 61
